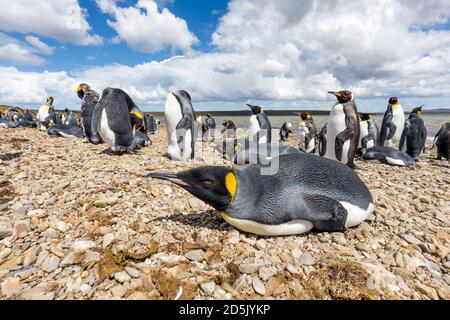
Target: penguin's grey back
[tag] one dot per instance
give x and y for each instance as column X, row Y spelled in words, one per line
column 309, row 174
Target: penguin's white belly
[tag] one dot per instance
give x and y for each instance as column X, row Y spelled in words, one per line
column 397, row 162
column 105, row 132
column 398, row 118
column 254, row 128
column 284, row 229
column 173, row 116
column 364, row 127
column 335, row 125
column 355, row 214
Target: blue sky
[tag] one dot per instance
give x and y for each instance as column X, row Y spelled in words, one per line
column 282, row 54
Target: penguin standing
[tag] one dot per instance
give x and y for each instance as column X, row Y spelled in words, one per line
column 308, row 133
column 151, row 124
column 43, row 115
column 414, row 134
column 211, row 122
column 442, row 142
column 306, row 192
column 180, row 123
column 260, row 128
column 368, row 137
column 343, row 129
column 229, row 139
column 285, row 130
column 89, row 99
column 111, row 119
column 393, row 123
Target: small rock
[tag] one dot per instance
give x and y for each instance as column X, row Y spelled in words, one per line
column 428, row 291
column 122, row 276
column 106, row 202
column 399, row 260
column 118, row 291
column 411, row 239
column 10, row 287
column 50, row 264
column 107, row 240
column 68, row 260
column 85, row 289
column 258, row 286
column 30, row 258
column 208, row 287
column 5, row 233
column 37, row 293
column 266, row 272
column 249, row 268
column 307, row 259
column 20, row 211
column 62, row 226
column 122, row 234
column 22, row 229
column 261, row 244
column 4, row 253
column 132, row 272
column 91, row 256
column 83, row 245
column 195, row 255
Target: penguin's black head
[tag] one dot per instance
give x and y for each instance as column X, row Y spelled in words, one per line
column 50, row 101
column 393, row 100
column 365, row 116
column 343, row 96
column 306, row 116
column 255, row 109
column 214, row 185
column 81, row 89
column 417, row 110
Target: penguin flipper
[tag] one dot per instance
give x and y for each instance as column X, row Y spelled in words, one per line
column 340, row 140
column 392, row 129
column 328, row 214
column 181, row 129
column 402, row 146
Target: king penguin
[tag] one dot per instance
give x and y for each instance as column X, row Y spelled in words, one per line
column 43, row 115
column 386, row 155
column 393, row 123
column 343, row 129
column 285, row 130
column 414, row 134
column 323, row 141
column 306, row 192
column 180, row 123
column 111, row 119
column 308, row 133
column 89, row 99
column 368, row 137
column 260, row 128
column 442, row 142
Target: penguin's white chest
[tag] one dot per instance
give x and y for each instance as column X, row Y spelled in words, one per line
column 254, row 128
column 335, row 125
column 104, row 130
column 364, row 127
column 398, row 118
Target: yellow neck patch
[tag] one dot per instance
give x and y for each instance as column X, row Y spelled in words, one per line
column 78, row 88
column 137, row 114
column 308, row 116
column 396, row 105
column 231, row 184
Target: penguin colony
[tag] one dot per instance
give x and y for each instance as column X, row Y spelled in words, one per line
column 308, row 191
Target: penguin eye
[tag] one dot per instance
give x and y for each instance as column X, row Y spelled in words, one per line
column 207, row 182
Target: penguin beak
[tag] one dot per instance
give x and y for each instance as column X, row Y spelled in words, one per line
column 172, row 177
column 334, row 93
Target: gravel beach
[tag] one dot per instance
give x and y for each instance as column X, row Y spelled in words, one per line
column 79, row 223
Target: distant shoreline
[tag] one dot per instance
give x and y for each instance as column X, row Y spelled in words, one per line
column 222, row 113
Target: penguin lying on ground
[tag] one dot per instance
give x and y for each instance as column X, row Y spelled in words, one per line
column 386, row 155
column 306, row 192
column 66, row 131
column 28, row 120
column 285, row 130
column 442, row 142
column 414, row 135
column 368, row 137
column 256, row 153
column 180, row 124
column 393, row 123
column 89, row 99
column 343, row 129
column 260, row 127
column 8, row 124
column 111, row 120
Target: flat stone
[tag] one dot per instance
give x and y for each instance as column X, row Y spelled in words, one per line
column 11, row 286
column 85, row 289
column 5, row 233
column 68, row 260
column 37, row 293
column 307, row 259
column 91, row 256
column 411, row 239
column 107, row 240
column 20, row 211
column 51, row 263
column 83, row 245
column 195, row 255
column 249, row 268
column 258, row 286
column 62, row 226
column 261, row 244
column 22, row 229
column 118, row 291
column 208, row 287
column 132, row 272
column 122, row 276
column 106, row 202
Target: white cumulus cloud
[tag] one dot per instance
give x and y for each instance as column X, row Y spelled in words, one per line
column 148, row 29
